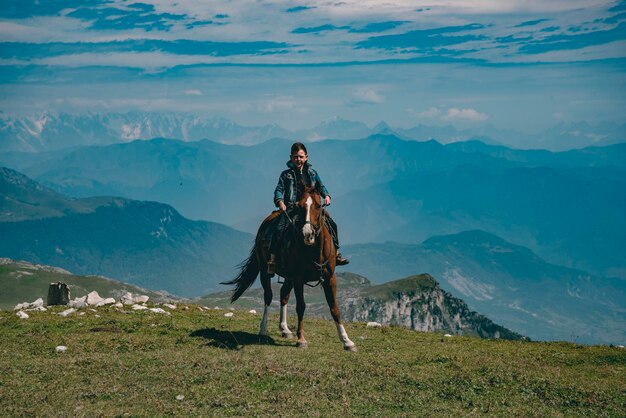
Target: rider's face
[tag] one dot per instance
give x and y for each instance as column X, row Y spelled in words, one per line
column 299, row 158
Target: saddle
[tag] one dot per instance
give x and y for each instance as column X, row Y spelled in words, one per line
column 278, row 239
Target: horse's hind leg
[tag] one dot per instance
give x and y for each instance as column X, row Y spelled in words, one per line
column 266, row 282
column 330, row 291
column 285, row 290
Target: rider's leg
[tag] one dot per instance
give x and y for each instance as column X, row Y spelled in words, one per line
column 332, row 226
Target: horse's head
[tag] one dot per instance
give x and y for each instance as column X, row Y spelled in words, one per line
column 311, row 205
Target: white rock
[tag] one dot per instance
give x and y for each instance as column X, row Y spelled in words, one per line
column 78, row 302
column 447, row 335
column 620, row 346
column 37, row 304
column 127, row 299
column 81, row 313
column 180, row 397
column 159, row 310
column 169, row 305
column 32, row 306
column 67, row 312
column 107, row 301
column 94, row 298
column 60, row 349
column 22, row 315
column 252, row 311
column 217, row 308
column 38, row 308
column 228, row 314
column 142, row 299
column 139, row 307
column 374, row 325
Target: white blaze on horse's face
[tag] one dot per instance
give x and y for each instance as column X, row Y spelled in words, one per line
column 307, row 230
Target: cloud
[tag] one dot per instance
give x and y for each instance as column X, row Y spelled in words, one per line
column 575, row 41
column 298, row 9
column 366, row 95
column 427, row 39
column 378, row 26
column 451, row 114
column 25, row 50
column 464, row 115
column 192, row 92
column 531, row 23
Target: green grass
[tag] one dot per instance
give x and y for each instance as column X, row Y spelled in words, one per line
column 137, row 363
column 21, row 282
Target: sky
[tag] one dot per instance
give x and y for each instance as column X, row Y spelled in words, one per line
column 513, row 64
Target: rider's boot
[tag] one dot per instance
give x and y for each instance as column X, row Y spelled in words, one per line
column 340, row 260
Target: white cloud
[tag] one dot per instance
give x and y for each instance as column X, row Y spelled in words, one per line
column 464, row 114
column 449, row 114
column 192, row 92
column 366, row 95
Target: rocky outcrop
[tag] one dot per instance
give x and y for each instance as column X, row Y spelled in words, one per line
column 418, row 303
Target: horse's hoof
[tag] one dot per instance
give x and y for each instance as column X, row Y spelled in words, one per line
column 302, row 344
column 288, row 335
column 350, row 348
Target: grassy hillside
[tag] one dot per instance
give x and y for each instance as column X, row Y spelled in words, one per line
column 137, row 364
column 24, row 282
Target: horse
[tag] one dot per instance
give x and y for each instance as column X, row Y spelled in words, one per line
column 310, row 257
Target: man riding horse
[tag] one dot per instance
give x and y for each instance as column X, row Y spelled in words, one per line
column 289, row 190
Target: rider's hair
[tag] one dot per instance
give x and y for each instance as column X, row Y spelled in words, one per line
column 297, row 146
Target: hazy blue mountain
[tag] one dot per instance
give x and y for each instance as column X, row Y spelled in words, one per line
column 508, row 283
column 566, row 206
column 50, row 131
column 568, row 218
column 148, row 244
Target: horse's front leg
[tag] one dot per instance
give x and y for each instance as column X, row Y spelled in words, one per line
column 266, row 282
column 330, row 291
column 285, row 291
column 300, row 307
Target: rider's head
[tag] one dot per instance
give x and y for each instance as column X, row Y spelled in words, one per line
column 298, row 155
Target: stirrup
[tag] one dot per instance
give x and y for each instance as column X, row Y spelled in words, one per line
column 342, row 261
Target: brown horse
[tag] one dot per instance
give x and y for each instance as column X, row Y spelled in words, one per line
column 311, row 257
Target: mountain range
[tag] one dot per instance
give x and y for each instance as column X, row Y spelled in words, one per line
column 49, row 131
column 151, row 245
column 507, row 283
column 566, row 206
column 148, row 244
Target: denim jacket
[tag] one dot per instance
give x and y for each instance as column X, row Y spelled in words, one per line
column 286, row 188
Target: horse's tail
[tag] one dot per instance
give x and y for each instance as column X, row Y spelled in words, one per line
column 247, row 276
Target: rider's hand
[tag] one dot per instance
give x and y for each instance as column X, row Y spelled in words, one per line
column 327, row 201
column 282, row 206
